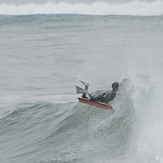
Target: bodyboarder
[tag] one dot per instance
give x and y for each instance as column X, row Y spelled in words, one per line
column 105, row 97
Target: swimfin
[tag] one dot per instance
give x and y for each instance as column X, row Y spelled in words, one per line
column 86, row 84
column 80, row 90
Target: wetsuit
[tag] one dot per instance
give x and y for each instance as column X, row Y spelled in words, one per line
column 105, row 97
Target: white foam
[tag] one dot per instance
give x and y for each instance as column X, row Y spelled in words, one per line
column 137, row 8
column 148, row 133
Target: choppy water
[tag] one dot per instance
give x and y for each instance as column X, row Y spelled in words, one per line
column 44, row 56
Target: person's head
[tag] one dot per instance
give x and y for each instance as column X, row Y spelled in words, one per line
column 115, row 86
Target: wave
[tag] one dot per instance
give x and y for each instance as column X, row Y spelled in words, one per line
column 49, row 131
column 65, row 132
column 134, row 8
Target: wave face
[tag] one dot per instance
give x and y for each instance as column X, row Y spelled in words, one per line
column 134, row 8
column 66, row 132
column 75, row 132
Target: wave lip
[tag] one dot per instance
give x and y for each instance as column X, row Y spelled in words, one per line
column 134, row 8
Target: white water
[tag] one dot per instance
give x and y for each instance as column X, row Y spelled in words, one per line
column 137, row 8
column 146, row 143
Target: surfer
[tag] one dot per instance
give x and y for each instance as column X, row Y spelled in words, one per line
column 105, row 97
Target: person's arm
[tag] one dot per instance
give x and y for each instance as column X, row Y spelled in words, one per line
column 109, row 96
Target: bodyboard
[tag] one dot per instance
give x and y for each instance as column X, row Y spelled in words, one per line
column 97, row 104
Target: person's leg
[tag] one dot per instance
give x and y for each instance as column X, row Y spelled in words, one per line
column 95, row 98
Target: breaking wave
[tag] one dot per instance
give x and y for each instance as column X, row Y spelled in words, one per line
column 75, row 132
column 134, row 8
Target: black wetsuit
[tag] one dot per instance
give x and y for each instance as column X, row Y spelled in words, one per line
column 105, row 97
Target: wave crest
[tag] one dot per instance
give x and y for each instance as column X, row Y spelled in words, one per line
column 135, row 8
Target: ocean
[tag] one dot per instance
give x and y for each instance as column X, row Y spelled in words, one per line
column 46, row 47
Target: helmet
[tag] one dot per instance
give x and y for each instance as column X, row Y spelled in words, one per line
column 115, row 85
